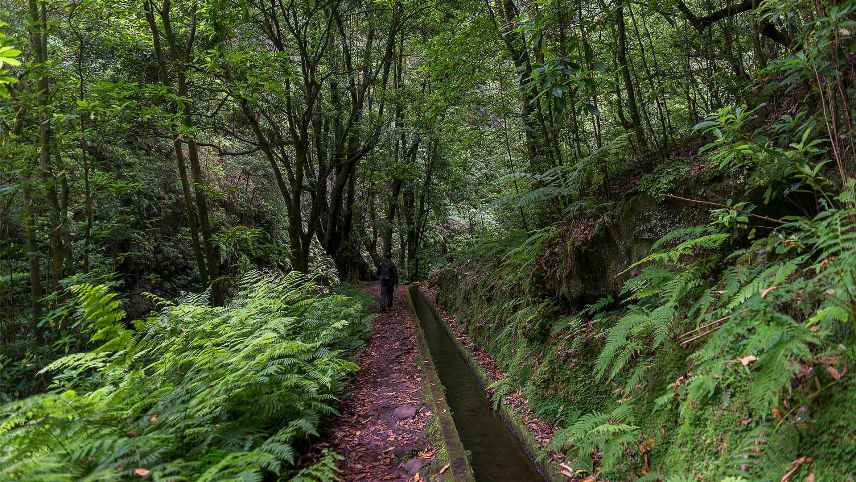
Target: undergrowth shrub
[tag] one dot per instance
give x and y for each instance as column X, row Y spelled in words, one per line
column 193, row 392
column 28, row 347
column 727, row 355
column 764, row 323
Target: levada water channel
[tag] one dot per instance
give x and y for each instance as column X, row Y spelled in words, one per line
column 495, row 454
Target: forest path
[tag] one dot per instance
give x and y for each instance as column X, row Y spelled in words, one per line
column 381, row 432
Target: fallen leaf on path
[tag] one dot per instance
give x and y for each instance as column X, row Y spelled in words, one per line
column 427, row 453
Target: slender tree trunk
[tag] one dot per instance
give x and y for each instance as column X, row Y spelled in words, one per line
column 199, row 189
column 399, row 144
column 408, row 211
column 538, row 151
column 635, row 118
column 29, row 222
column 402, row 243
column 212, row 261
column 392, row 206
column 38, row 42
column 32, row 251
column 370, row 240
column 588, row 54
column 67, row 254
column 511, row 168
column 197, row 211
column 667, row 122
column 185, row 108
column 652, row 85
column 425, row 204
column 190, row 210
column 84, row 158
column 646, row 115
column 688, row 81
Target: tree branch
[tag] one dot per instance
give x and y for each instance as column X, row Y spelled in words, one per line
column 703, row 23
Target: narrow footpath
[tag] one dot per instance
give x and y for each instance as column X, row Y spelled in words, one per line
column 382, row 430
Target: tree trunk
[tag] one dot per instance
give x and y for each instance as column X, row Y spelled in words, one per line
column 190, row 211
column 213, row 262
column 635, row 118
column 653, row 86
column 29, row 225
column 84, row 159
column 398, row 145
column 32, row 252
column 392, row 206
column 181, row 165
column 181, row 58
column 38, row 42
column 538, row 151
column 408, row 211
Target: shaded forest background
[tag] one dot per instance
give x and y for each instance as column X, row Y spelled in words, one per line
column 639, row 207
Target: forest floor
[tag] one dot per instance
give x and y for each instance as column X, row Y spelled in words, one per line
column 382, row 430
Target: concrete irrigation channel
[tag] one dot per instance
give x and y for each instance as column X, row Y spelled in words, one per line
column 495, row 452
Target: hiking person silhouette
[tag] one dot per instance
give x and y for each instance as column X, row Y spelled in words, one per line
column 387, row 274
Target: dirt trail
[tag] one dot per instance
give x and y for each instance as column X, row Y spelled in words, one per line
column 381, row 432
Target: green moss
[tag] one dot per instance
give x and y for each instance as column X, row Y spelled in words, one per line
column 831, row 438
column 704, row 439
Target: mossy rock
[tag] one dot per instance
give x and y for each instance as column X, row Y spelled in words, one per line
column 591, row 257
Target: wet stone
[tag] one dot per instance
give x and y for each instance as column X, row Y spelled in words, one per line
column 414, row 465
column 404, row 411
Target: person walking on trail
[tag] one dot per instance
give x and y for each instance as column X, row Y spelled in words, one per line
column 387, row 274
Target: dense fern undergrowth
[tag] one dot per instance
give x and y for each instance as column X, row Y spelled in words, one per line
column 726, row 352
column 192, row 392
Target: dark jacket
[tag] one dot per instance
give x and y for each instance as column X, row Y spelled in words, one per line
column 387, row 274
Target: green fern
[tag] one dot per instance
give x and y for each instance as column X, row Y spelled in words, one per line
column 324, row 470
column 610, row 435
column 196, row 393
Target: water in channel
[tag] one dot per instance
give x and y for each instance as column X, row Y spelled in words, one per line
column 495, row 454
